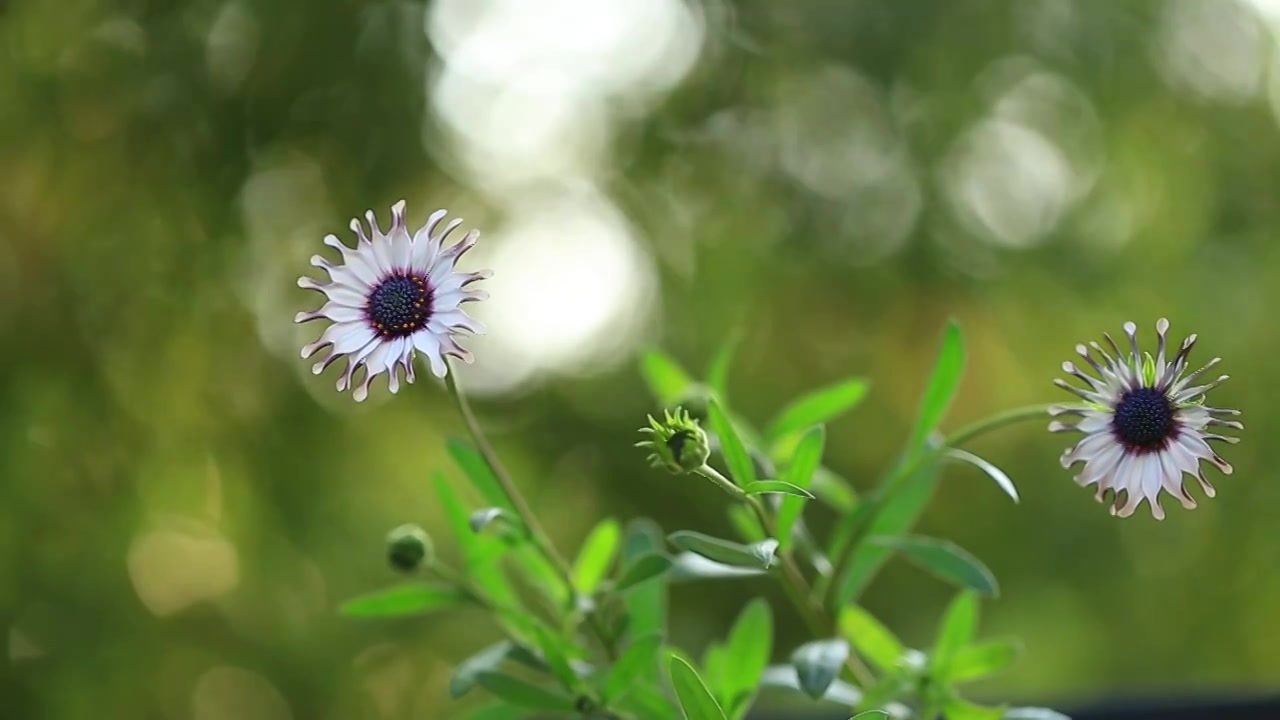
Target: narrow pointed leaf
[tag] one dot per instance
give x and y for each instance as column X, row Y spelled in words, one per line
column 804, row 463
column 1001, row 479
column 819, row 406
column 728, row 552
column 718, row 370
column 781, row 487
column 646, row 601
column 692, row 566
column 747, row 651
column 695, row 698
column 871, row 638
column 746, row 523
column 408, row 599
column 553, row 650
column 962, row 710
column 984, row 659
column 464, row 676
column 784, row 676
column 942, row 386
column 818, row 664
column 478, row 472
column 870, row 715
column 894, row 518
column 497, row 712
column 479, row 552
column 1033, row 713
column 731, row 446
column 496, row 517
column 944, row 559
column 667, row 380
column 637, row 660
column 959, row 625
column 596, row 556
column 646, row 567
column 513, row 690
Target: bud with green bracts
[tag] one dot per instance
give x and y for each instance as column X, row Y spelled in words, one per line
column 677, row 442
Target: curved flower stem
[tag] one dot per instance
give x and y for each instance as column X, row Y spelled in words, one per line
column 793, row 580
column 541, row 540
column 882, row 495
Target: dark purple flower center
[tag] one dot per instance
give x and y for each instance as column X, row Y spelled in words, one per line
column 1143, row 420
column 399, row 305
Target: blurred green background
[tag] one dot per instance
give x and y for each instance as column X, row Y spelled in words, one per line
column 183, row 505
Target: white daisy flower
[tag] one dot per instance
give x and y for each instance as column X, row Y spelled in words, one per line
column 1145, row 423
column 393, row 296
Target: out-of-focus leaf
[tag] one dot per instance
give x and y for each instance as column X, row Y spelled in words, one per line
column 478, row 472
column 695, row 698
column 959, row 625
column 513, row 690
column 870, row 715
column 983, row 659
column 731, row 446
column 746, row 523
column 638, row 660
column 804, row 462
column 944, row 559
column 747, row 654
column 833, row 490
column 718, row 370
column 481, row 519
column 597, row 554
column 941, row 388
column 645, row 567
column 818, row 664
column 464, row 676
column 759, row 555
column 646, row 601
column 667, row 380
column 781, row 487
column 1001, row 479
column 409, row 599
column 553, row 650
column 497, row 712
column 870, row 637
column 817, row 407
column 895, row 517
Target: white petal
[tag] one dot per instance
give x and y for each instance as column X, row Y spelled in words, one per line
column 427, row 344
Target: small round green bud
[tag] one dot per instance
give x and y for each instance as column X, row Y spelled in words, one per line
column 408, row 547
column 677, row 443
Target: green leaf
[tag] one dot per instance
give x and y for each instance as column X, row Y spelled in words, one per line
column 944, row 559
column 735, row 453
column 746, row 523
column 666, row 379
column 747, row 654
column 959, row 625
column 942, row 386
column 646, row 601
column 995, row 473
column 553, row 650
column 957, row 709
column 695, row 699
column 646, row 567
column 781, row 487
column 409, row 599
column 728, row 552
column 894, row 518
column 818, row 664
column 647, row 701
column 692, row 566
column 870, row 715
column 833, row 490
column 478, row 472
column 872, row 639
column 464, row 676
column 597, row 554
column 638, row 660
column 520, row 693
column 497, row 712
column 817, row 407
column 804, row 463
column 479, row 552
column 983, row 659
column 1033, row 713
column 718, row 370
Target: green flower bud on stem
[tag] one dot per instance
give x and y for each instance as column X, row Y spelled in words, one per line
column 678, row 443
column 408, row 548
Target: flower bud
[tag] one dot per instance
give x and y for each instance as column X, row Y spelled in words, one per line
column 678, row 443
column 408, row 547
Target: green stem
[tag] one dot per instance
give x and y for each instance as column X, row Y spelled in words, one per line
column 541, row 540
column 793, row 580
column 885, row 493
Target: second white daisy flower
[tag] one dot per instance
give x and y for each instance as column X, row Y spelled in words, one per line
column 392, row 296
column 1145, row 423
